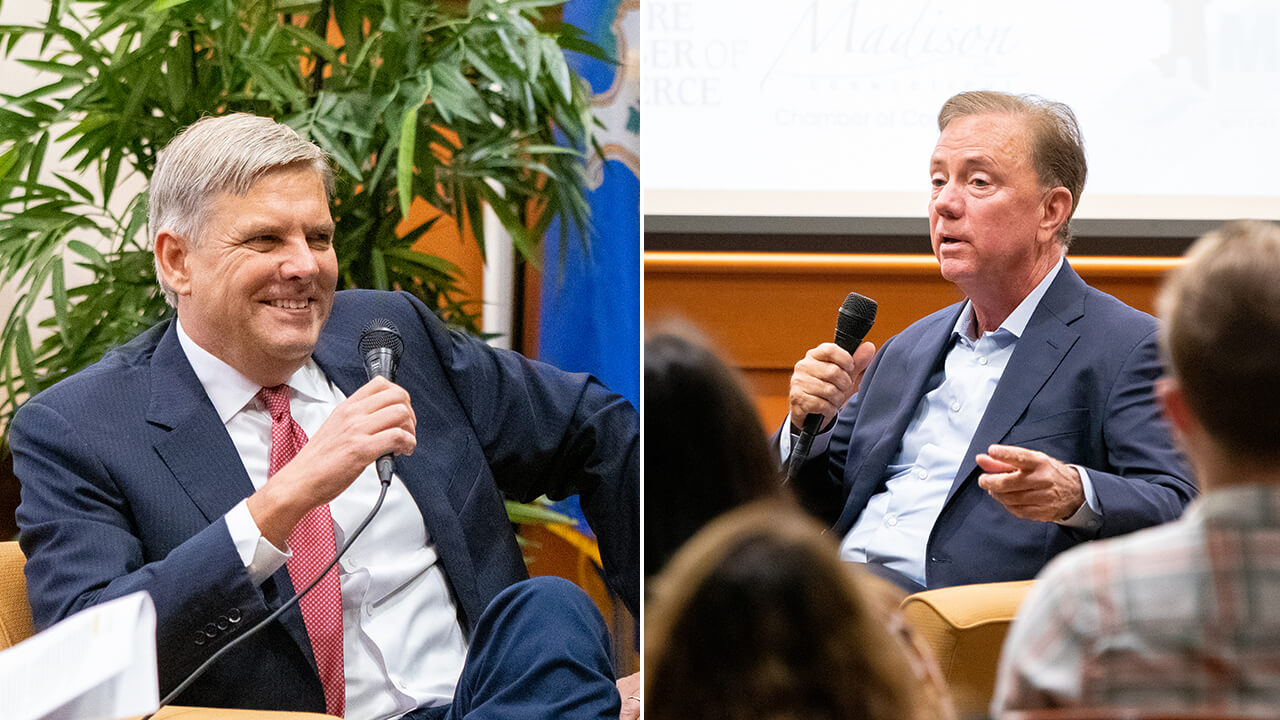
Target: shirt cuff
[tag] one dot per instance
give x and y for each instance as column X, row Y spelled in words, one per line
column 259, row 556
column 784, row 442
column 1089, row 515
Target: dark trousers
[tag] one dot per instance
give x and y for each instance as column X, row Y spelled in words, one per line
column 540, row 651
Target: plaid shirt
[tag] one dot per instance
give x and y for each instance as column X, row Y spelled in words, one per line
column 1184, row 614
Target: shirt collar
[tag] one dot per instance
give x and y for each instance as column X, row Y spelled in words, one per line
column 1247, row 505
column 230, row 391
column 1017, row 321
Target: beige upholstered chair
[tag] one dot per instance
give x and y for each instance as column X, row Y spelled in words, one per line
column 1128, row 714
column 965, row 627
column 16, row 626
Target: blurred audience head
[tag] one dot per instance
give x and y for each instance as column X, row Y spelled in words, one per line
column 756, row 617
column 705, row 450
column 1221, row 341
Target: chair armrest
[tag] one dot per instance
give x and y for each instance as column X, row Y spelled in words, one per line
column 965, row 626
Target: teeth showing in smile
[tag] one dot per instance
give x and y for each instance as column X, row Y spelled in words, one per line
column 288, row 304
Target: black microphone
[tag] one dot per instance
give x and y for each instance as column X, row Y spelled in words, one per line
column 857, row 315
column 380, row 346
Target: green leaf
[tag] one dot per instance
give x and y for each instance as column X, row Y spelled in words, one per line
column 379, row 265
column 88, row 252
column 422, row 260
column 162, row 5
column 310, row 40
column 338, row 150
column 454, row 97
column 404, row 161
column 553, row 58
column 7, row 160
column 67, row 71
column 36, row 162
column 26, row 356
column 75, row 187
column 532, row 514
column 58, row 290
column 502, row 208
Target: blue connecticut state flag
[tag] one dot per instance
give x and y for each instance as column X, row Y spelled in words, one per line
column 591, row 297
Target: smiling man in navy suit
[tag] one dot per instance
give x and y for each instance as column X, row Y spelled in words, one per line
column 170, row 466
column 991, row 435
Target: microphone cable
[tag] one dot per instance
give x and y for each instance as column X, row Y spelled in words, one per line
column 382, row 494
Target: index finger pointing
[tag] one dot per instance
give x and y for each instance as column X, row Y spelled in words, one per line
column 1021, row 458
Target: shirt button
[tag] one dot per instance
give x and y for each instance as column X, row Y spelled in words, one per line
column 922, row 473
column 891, row 520
column 955, row 406
column 982, row 361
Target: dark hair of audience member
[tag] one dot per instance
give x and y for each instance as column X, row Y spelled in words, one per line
column 756, row 617
column 705, row 450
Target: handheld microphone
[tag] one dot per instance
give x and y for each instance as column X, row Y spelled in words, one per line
column 857, row 315
column 381, row 346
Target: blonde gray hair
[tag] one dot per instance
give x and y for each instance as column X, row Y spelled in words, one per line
column 216, row 155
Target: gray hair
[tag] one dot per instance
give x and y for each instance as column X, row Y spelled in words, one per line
column 1057, row 146
column 215, row 155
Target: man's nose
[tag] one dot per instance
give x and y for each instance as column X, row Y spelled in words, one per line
column 948, row 202
column 298, row 259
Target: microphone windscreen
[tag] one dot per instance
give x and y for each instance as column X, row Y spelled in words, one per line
column 857, row 315
column 381, row 334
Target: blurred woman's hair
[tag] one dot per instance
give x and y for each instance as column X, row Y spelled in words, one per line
column 756, row 617
column 705, row 450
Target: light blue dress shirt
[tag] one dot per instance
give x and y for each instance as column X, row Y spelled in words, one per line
column 893, row 530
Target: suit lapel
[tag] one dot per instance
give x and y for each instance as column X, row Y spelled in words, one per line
column 905, row 382
column 204, row 461
column 1045, row 342
column 197, row 448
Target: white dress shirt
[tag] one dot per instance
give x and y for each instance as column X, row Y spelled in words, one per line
column 893, row 530
column 403, row 647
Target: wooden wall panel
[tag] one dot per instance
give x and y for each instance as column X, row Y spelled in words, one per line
column 764, row 310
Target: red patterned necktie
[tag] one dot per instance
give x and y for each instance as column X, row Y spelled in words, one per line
column 313, row 547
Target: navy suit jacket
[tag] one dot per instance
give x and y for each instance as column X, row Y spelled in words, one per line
column 1078, row 387
column 127, row 472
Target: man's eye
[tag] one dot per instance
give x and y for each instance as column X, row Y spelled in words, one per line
column 261, row 242
column 980, row 182
column 939, row 182
column 320, row 242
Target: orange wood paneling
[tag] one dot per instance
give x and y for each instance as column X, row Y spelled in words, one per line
column 764, row 310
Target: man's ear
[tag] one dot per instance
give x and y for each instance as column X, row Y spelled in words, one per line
column 1174, row 405
column 172, row 255
column 1055, row 211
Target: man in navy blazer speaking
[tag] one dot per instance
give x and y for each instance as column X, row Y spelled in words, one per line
column 188, row 462
column 993, row 434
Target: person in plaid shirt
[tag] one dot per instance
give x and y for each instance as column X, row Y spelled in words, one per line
column 1184, row 615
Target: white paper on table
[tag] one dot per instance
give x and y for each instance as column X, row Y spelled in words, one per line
column 98, row 664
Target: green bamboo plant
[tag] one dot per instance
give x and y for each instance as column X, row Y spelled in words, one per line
column 453, row 103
